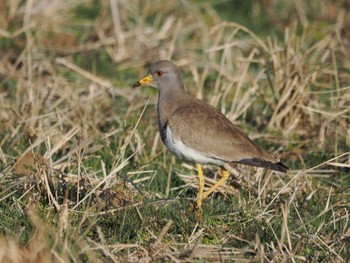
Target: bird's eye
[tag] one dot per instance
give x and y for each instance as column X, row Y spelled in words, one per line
column 159, row 73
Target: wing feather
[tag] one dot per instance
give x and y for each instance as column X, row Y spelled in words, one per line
column 202, row 127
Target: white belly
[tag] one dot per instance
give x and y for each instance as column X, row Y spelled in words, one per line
column 178, row 148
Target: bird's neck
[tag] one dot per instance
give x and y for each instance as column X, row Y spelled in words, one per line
column 167, row 104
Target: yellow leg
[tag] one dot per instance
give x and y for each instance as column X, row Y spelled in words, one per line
column 225, row 174
column 201, row 185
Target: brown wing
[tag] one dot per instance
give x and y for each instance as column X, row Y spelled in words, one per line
column 205, row 129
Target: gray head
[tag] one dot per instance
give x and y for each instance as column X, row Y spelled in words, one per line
column 163, row 75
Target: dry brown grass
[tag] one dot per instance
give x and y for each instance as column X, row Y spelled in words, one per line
column 77, row 145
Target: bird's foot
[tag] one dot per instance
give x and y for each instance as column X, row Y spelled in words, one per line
column 196, row 209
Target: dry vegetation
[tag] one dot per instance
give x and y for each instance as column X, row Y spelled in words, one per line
column 84, row 176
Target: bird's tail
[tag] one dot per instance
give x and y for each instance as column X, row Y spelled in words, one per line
column 280, row 167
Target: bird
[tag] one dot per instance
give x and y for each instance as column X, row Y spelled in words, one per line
column 197, row 132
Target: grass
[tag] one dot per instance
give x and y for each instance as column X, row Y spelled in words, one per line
column 84, row 176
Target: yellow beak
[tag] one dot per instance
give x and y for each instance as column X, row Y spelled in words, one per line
column 145, row 81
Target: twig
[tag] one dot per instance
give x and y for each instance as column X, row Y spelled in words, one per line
column 163, row 233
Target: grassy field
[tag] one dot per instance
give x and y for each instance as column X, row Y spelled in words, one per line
column 84, row 176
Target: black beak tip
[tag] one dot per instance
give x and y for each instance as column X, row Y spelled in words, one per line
column 137, row 84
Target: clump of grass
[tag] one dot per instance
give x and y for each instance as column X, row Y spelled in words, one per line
column 84, row 176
